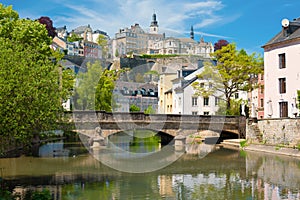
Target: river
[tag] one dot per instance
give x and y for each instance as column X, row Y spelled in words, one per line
column 65, row 170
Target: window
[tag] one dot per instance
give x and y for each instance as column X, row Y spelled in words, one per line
column 261, row 103
column 236, row 95
column 194, row 101
column 194, row 113
column 216, row 101
column 282, row 85
column 261, row 89
column 206, row 113
column 206, row 101
column 283, row 109
column 179, row 101
column 282, row 61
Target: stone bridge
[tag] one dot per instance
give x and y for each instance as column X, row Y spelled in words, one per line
column 170, row 124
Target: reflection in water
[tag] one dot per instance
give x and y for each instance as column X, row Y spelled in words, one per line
column 137, row 141
column 222, row 174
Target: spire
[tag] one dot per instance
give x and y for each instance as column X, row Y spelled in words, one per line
column 192, row 33
column 154, row 24
column 154, row 21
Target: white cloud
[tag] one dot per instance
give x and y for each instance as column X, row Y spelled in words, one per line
column 212, row 35
column 173, row 16
column 207, row 22
column 211, row 5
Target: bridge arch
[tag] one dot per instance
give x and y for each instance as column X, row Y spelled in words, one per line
column 228, row 135
column 165, row 138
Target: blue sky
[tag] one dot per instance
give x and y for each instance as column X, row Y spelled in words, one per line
column 249, row 24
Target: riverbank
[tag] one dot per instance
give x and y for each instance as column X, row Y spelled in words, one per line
column 273, row 150
column 17, row 150
column 279, row 150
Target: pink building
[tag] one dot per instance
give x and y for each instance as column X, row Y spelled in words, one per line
column 91, row 49
column 260, row 97
column 256, row 97
column 282, row 71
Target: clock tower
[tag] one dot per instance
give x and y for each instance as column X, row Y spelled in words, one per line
column 154, row 25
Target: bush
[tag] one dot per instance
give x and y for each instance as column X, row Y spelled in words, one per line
column 134, row 108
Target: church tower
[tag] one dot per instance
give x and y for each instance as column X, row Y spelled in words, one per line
column 192, row 33
column 154, row 25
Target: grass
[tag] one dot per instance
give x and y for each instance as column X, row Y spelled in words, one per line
column 279, row 146
column 243, row 143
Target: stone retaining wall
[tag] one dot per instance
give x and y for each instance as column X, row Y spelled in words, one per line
column 275, row 131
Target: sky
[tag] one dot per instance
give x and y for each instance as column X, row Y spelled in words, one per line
column 249, row 24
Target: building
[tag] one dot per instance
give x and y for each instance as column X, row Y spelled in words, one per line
column 260, row 96
column 169, row 73
column 282, row 72
column 91, row 49
column 256, row 97
column 142, row 95
column 181, row 46
column 185, row 100
column 87, row 46
column 135, row 39
column 87, row 33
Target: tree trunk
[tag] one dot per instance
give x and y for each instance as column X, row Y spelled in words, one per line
column 228, row 105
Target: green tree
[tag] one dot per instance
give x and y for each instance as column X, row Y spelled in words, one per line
column 134, row 108
column 102, row 41
column 149, row 110
column 74, row 37
column 95, row 88
column 29, row 90
column 104, row 90
column 234, row 109
column 232, row 73
column 68, row 81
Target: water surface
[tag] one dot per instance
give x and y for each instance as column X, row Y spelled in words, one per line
column 70, row 172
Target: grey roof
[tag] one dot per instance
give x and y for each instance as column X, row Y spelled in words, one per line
column 187, row 83
column 134, row 85
column 82, row 29
column 61, row 28
column 100, row 32
column 293, row 32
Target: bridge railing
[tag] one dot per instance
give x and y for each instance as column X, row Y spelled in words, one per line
column 88, row 116
column 120, row 120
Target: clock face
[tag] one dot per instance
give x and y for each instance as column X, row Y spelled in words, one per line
column 285, row 23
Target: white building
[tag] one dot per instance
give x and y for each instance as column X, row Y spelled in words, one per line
column 181, row 46
column 282, row 71
column 186, row 102
column 135, row 39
